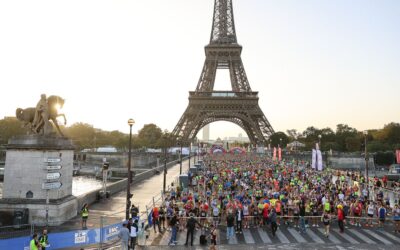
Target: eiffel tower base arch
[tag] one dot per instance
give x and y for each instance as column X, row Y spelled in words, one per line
column 239, row 108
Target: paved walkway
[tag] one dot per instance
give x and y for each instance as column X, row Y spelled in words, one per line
column 114, row 207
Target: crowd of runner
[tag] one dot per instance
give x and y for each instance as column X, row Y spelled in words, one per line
column 249, row 191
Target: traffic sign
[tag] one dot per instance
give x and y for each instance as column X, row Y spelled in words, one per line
column 53, row 160
column 55, row 167
column 51, row 185
column 53, row 176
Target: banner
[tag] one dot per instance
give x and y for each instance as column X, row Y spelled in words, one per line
column 319, row 160
column 314, row 159
column 274, row 156
column 279, row 154
column 398, row 156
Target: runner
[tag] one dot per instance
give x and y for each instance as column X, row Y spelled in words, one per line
column 326, row 220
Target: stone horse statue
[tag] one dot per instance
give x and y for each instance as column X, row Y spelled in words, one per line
column 37, row 119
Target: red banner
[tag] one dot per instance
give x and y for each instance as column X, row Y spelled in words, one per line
column 279, row 154
column 398, row 156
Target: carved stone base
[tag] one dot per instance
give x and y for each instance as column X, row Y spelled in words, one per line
column 27, row 167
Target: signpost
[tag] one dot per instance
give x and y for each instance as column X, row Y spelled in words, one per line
column 50, row 183
column 53, row 160
column 53, row 176
column 53, row 167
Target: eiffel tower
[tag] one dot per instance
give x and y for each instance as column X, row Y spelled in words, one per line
column 239, row 106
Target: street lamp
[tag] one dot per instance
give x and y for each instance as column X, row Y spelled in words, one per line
column 190, row 149
column 128, row 186
column 319, row 141
column 165, row 169
column 165, row 162
column 180, row 158
column 365, row 132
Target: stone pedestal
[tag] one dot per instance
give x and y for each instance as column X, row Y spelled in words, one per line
column 37, row 166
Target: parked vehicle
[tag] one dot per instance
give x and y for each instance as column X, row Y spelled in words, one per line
column 394, row 172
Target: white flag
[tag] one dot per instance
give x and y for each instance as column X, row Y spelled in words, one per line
column 319, row 160
column 314, row 158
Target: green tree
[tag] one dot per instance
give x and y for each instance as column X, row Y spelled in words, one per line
column 82, row 134
column 9, row 127
column 149, row 136
column 391, row 133
column 293, row 134
column 376, row 146
column 353, row 144
column 343, row 131
column 276, row 139
column 310, row 137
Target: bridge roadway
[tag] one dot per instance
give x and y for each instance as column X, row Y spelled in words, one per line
column 290, row 238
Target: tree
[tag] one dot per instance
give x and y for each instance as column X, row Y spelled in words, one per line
column 353, row 144
column 310, row 137
column 376, row 146
column 276, row 139
column 149, row 136
column 82, row 134
column 293, row 134
column 343, row 131
column 391, row 133
column 9, row 127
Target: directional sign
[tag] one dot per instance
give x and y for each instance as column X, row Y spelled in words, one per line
column 51, row 185
column 53, row 160
column 55, row 167
column 53, row 176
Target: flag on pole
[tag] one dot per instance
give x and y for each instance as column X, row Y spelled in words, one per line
column 319, row 160
column 314, row 158
column 274, row 156
column 279, row 154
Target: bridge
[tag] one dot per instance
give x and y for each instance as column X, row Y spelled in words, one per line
column 290, row 238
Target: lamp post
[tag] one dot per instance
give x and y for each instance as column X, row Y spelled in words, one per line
column 190, row 149
column 366, row 161
column 180, row 158
column 165, row 169
column 319, row 141
column 128, row 186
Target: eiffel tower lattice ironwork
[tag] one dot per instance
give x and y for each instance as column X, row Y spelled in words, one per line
column 239, row 106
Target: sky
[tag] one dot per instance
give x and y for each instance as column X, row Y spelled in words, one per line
column 313, row 62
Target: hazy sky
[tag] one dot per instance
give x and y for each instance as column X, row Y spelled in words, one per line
column 314, row 62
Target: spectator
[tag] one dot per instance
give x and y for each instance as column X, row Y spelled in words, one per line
column 123, row 235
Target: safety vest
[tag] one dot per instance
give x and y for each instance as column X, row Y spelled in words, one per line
column 43, row 240
column 327, row 206
column 33, row 245
column 85, row 212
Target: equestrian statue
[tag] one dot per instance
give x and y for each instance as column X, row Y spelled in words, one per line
column 38, row 119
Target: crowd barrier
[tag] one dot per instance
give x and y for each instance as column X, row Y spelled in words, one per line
column 76, row 238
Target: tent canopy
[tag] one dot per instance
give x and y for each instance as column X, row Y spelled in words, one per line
column 296, row 144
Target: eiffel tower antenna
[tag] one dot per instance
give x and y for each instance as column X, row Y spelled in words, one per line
column 239, row 106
